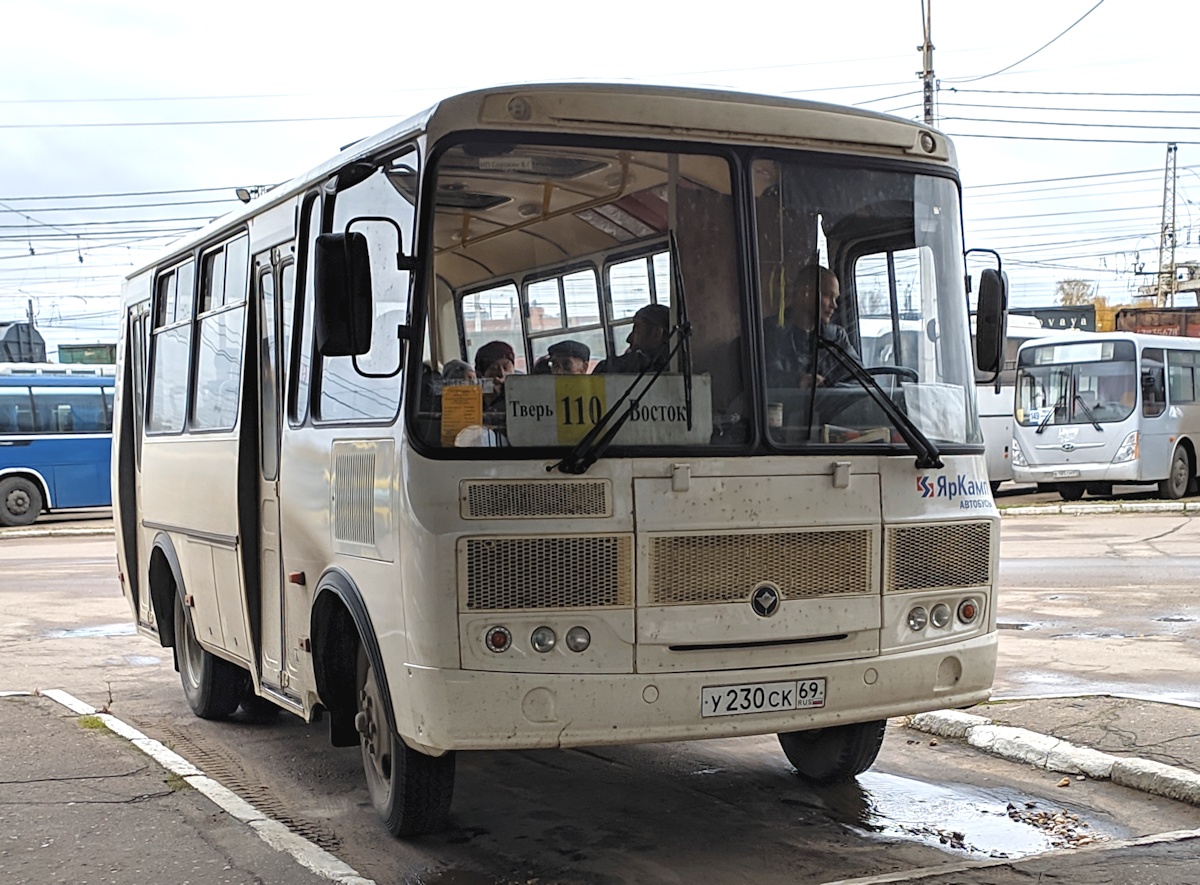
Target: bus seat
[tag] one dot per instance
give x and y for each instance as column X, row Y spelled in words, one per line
column 8, row 419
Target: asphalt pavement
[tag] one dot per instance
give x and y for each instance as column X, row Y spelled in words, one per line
column 85, row 798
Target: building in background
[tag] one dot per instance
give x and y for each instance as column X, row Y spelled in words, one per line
column 22, row 343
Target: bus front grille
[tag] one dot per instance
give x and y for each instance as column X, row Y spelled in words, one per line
column 537, row 499
column 588, row 571
column 938, row 556
column 687, row 569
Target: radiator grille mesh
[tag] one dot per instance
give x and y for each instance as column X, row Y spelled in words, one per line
column 557, row 572
column 726, row 568
column 931, row 557
column 489, row 500
column 353, row 498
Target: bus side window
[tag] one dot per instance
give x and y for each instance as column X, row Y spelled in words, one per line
column 1154, row 388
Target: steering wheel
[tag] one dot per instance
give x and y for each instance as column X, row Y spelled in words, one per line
column 902, row 371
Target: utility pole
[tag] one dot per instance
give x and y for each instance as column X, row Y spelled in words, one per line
column 1165, row 296
column 29, row 314
column 926, row 72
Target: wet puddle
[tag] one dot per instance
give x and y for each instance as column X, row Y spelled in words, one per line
column 959, row 818
column 122, row 629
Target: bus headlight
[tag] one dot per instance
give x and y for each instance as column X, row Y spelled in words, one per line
column 497, row 639
column 940, row 615
column 917, row 619
column 1128, row 450
column 1018, row 457
column 578, row 638
column 543, row 640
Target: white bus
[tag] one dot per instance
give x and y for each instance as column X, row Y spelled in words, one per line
column 996, row 399
column 1118, row 407
column 318, row 504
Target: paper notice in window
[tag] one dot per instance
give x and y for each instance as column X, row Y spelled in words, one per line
column 462, row 407
column 940, row 410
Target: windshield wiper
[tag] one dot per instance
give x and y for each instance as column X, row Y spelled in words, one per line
column 593, row 445
column 928, row 456
column 590, row 449
column 1062, row 401
column 1088, row 412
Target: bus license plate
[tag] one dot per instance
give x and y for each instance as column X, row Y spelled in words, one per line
column 1065, row 474
column 761, row 697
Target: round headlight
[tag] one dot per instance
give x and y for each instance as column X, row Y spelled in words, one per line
column 543, row 640
column 578, row 638
column 918, row 618
column 939, row 616
column 497, row 639
column 968, row 611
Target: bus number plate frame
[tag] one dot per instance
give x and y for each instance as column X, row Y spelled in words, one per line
column 762, row 697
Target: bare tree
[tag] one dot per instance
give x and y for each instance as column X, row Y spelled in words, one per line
column 1074, row 293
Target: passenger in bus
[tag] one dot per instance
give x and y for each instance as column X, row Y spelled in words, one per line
column 649, row 343
column 569, row 358
column 541, row 366
column 494, row 362
column 458, row 372
column 793, row 358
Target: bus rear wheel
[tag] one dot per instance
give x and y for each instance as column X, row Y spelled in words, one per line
column 1176, row 484
column 410, row 791
column 213, row 686
column 20, row 501
column 835, row 754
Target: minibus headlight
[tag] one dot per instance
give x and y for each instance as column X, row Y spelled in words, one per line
column 968, row 611
column 578, row 638
column 939, row 616
column 917, row 619
column 543, row 640
column 1128, row 450
column 1018, row 457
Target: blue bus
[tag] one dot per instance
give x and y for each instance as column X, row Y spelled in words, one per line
column 55, row 444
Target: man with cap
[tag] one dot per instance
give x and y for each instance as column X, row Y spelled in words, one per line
column 649, row 343
column 569, row 358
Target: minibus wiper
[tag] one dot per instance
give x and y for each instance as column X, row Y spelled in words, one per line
column 1088, row 412
column 589, row 449
column 928, row 456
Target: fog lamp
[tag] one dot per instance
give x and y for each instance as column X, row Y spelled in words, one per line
column 578, row 638
column 917, row 619
column 543, row 640
column 968, row 611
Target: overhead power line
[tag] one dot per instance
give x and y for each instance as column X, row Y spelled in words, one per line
column 1031, row 55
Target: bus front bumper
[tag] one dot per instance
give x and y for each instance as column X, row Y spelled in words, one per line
column 441, row 710
column 1083, row 472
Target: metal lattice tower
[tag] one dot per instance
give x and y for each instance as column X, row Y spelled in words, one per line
column 1165, row 296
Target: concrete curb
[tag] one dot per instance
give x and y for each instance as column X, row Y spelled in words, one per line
column 1052, row 754
column 60, row 531
column 1185, row 507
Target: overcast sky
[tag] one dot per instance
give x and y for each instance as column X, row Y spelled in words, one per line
column 108, row 105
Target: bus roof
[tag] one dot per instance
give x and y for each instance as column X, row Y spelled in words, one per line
column 641, row 111
column 1143, row 339
column 36, row 380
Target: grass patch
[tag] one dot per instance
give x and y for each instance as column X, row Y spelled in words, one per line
column 90, row 721
column 175, row 783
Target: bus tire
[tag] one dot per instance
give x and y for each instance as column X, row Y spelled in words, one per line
column 213, row 686
column 1176, row 484
column 20, row 501
column 410, row 791
column 1070, row 491
column 995, row 484
column 835, row 754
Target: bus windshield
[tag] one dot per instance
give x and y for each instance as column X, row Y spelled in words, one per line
column 582, row 285
column 1093, row 382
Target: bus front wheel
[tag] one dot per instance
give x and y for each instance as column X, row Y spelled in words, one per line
column 834, row 754
column 1070, row 491
column 20, row 501
column 213, row 686
column 1176, row 484
column 410, row 791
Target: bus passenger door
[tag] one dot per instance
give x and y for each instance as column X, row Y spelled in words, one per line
column 272, row 653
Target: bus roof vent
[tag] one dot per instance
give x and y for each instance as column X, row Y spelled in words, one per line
column 540, row 499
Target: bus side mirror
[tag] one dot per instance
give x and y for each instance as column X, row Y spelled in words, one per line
column 342, row 296
column 990, row 321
